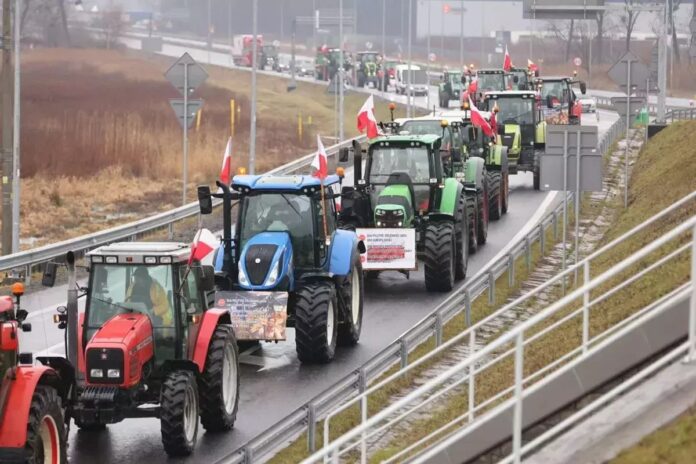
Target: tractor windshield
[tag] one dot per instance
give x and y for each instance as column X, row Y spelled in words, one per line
column 493, row 82
column 455, row 80
column 278, row 212
column 553, row 89
column 522, row 80
column 514, row 110
column 422, row 127
column 413, row 161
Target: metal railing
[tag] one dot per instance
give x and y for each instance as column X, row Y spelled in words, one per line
column 29, row 258
column 507, row 352
column 306, row 416
column 678, row 114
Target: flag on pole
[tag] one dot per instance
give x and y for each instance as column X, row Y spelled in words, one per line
column 478, row 120
column 473, row 86
column 320, row 163
column 507, row 62
column 494, row 121
column 531, row 66
column 203, row 243
column 366, row 119
column 226, row 170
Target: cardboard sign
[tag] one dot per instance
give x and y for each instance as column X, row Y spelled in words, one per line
column 388, row 249
column 255, row 315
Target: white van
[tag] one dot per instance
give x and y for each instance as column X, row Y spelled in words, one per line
column 419, row 80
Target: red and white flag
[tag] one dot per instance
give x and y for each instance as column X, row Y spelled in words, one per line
column 507, row 62
column 320, row 163
column 478, row 120
column 473, row 86
column 203, row 244
column 366, row 119
column 531, row 66
column 226, row 170
column 494, row 121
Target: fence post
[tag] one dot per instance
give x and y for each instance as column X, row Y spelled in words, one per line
column 511, row 270
column 692, row 303
column 491, row 288
column 542, row 238
column 585, row 307
column 438, row 328
column 517, row 418
column 311, row 427
column 555, row 225
column 472, row 379
column 404, row 353
column 27, row 275
column 528, row 251
column 467, row 307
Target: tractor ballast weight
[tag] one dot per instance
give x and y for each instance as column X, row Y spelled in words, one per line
column 405, row 188
column 280, row 262
column 34, row 411
column 150, row 345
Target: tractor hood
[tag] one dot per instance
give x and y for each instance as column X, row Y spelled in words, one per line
column 394, row 206
column 266, row 262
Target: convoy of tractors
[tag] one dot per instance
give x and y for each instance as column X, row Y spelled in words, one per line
column 159, row 333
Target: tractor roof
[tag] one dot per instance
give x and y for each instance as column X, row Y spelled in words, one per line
column 510, row 93
column 457, row 115
column 490, row 71
column 405, row 138
column 135, row 252
column 269, row 182
column 553, row 78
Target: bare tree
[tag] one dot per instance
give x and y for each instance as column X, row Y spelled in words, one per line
column 628, row 19
column 600, row 38
column 563, row 31
column 673, row 7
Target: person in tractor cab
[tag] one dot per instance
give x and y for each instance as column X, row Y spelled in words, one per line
column 144, row 289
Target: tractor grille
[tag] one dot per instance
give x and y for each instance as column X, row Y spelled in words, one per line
column 105, row 359
column 508, row 140
column 390, row 220
column 258, row 262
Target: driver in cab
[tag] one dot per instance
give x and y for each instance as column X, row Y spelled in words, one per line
column 144, row 289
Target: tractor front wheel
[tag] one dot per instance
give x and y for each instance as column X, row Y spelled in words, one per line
column 46, row 435
column 219, row 385
column 179, row 410
column 440, row 256
column 495, row 185
column 316, row 322
column 352, row 295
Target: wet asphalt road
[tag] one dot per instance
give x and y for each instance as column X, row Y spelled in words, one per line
column 274, row 383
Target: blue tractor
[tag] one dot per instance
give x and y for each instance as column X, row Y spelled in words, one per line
column 285, row 263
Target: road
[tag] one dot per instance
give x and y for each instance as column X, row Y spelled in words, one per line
column 274, row 383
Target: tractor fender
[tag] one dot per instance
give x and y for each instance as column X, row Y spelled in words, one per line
column 22, row 382
column 475, row 170
column 344, row 248
column 450, row 194
column 540, row 134
column 499, row 159
column 211, row 319
column 503, row 159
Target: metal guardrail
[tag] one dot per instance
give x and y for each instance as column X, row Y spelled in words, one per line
column 510, row 347
column 679, row 114
column 306, row 416
column 29, row 258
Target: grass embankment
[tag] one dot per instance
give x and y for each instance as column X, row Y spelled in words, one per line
column 672, row 444
column 101, row 145
column 647, row 196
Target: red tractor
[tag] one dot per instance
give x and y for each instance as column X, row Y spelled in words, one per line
column 147, row 344
column 33, row 399
column 557, row 99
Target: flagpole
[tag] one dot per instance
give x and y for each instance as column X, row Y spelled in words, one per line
column 323, row 209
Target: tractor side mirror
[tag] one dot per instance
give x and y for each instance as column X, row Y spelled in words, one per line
column 49, row 274
column 583, row 88
column 515, row 79
column 344, row 154
column 207, row 278
column 361, row 247
column 21, row 314
column 205, row 201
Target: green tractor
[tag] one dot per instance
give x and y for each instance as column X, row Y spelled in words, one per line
column 367, row 68
column 408, row 205
column 488, row 80
column 519, row 79
column 522, row 128
column 450, row 88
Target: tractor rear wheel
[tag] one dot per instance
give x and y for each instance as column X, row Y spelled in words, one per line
column 495, row 185
column 352, row 294
column 179, row 410
column 440, row 256
column 505, row 191
column 46, row 434
column 483, row 208
column 472, row 213
column 462, row 251
column 218, row 386
column 316, row 322
column 537, row 173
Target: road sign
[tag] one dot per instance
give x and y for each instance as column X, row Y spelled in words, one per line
column 639, row 72
column 194, row 106
column 432, row 57
column 562, row 9
column 176, row 74
column 577, row 61
column 552, row 160
column 620, row 104
column 151, row 44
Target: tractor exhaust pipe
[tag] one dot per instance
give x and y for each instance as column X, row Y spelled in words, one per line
column 72, row 313
column 226, row 225
column 357, row 162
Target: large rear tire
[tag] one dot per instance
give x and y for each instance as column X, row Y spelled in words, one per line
column 495, row 202
column 440, row 256
column 316, row 322
column 483, row 208
column 218, row 386
column 352, row 291
column 472, row 215
column 179, row 411
column 46, row 434
column 462, row 261
column 506, row 191
column 537, row 173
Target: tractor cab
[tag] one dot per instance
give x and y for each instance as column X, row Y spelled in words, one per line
column 518, row 79
column 450, row 88
column 269, row 57
column 559, row 102
column 490, row 80
column 367, row 68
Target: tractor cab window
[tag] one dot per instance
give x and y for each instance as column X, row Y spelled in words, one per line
column 554, row 90
column 281, row 212
column 137, row 288
column 454, row 79
column 487, row 82
column 413, row 161
column 515, row 110
column 192, row 302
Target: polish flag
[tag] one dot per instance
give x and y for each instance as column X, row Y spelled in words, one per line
column 531, row 66
column 478, row 120
column 320, row 163
column 473, row 86
column 507, row 62
column 494, row 121
column 225, row 171
column 366, row 119
column 203, row 243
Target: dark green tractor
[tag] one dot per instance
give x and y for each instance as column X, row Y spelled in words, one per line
column 408, row 205
column 450, row 88
column 522, row 129
column 519, row 79
column 367, row 67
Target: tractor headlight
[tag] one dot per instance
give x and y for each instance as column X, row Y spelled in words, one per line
column 273, row 276
column 96, row 373
column 380, row 212
column 242, row 278
column 113, row 373
column 398, row 212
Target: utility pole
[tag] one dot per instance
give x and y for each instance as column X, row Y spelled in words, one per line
column 254, row 65
column 16, row 127
column 6, row 90
column 461, row 38
column 340, row 72
column 409, row 80
column 384, row 28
